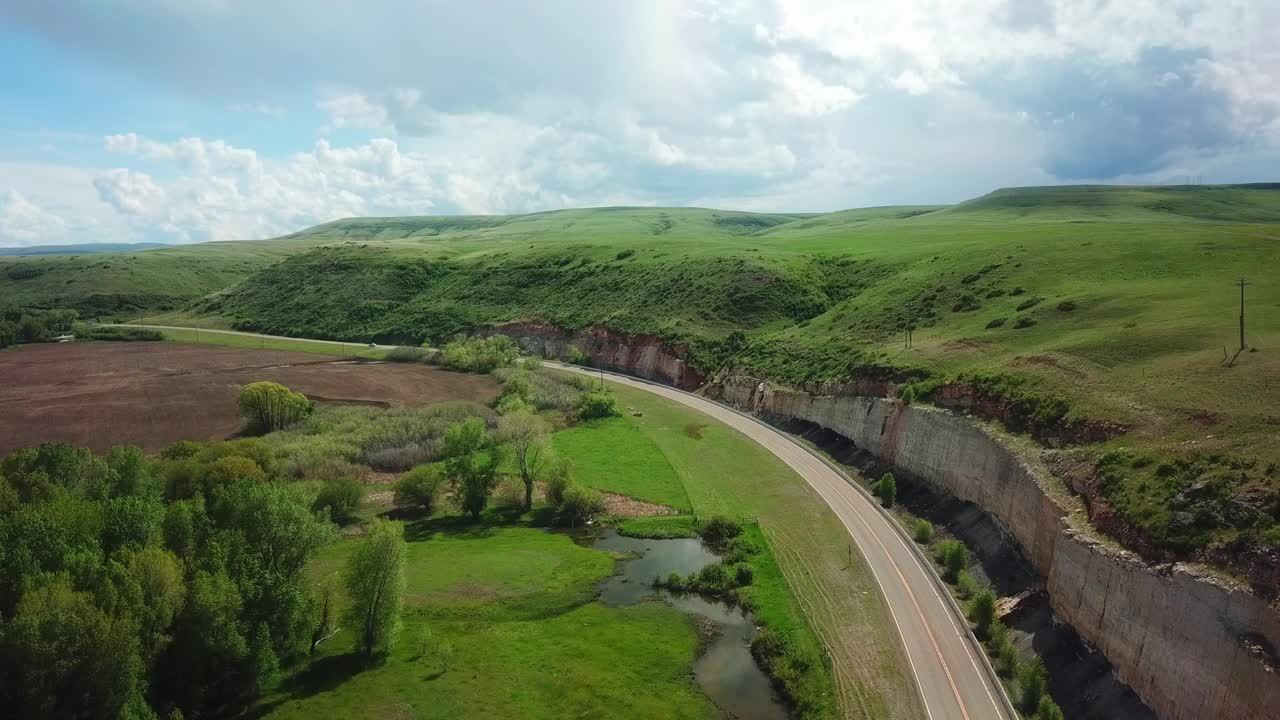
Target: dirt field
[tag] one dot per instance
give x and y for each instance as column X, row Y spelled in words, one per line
column 152, row 394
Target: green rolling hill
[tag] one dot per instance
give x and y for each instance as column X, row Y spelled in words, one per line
column 1116, row 303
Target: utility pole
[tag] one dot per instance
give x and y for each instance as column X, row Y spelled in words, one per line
column 1243, row 283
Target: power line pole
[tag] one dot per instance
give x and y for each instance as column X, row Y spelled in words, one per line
column 1243, row 283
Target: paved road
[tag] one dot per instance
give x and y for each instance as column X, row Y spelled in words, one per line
column 953, row 680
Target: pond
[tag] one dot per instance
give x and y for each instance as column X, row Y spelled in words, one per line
column 725, row 670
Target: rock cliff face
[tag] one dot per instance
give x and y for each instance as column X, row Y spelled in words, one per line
column 645, row 356
column 1191, row 645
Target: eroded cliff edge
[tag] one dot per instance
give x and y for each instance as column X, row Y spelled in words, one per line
column 1191, row 644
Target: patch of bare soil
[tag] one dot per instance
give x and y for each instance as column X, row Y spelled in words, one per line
column 963, row 344
column 152, row 394
column 623, row 506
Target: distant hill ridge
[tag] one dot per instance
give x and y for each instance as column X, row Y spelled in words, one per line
column 81, row 249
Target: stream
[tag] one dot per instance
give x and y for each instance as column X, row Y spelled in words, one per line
column 725, row 669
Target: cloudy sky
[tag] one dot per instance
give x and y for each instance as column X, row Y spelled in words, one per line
column 192, row 120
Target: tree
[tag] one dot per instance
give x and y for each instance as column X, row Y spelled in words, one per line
column 324, row 612
column 579, row 505
column 472, row 464
column 526, row 433
column 8, row 334
column 230, row 468
column 1032, row 678
column 887, row 489
column 982, row 611
column 954, row 558
column 268, row 406
column 375, row 587
column 923, row 531
column 420, row 488
column 65, row 657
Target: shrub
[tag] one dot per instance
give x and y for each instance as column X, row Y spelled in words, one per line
column 575, row 356
column 579, row 504
column 1048, row 709
column 743, row 576
column 966, row 303
column 624, row 254
column 559, row 476
column 509, row 494
column 1032, row 678
column 1067, row 306
column 966, row 586
column 908, row 394
column 1024, row 322
column 180, row 450
column 1006, row 653
column 954, row 558
column 420, row 488
column 231, row 467
column 596, row 404
column 479, row 355
column 887, row 489
column 1016, row 291
column 339, row 499
column 405, row 354
column 1029, row 303
column 719, row 530
column 995, row 323
column 268, row 406
column 982, row 611
column 118, row 334
column 923, row 531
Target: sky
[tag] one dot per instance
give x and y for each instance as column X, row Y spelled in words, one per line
column 193, row 120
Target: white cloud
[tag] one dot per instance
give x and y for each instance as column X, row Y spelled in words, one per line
column 132, row 193
column 22, row 222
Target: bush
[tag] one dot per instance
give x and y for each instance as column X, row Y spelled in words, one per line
column 1024, row 322
column 509, row 494
column 230, row 468
column 599, row 403
column 1048, row 709
column 1032, row 678
column 982, row 611
column 954, row 558
column 995, row 323
column 559, row 476
column 420, row 488
column 575, row 356
column 624, row 254
column 268, row 406
column 1017, row 291
column 479, row 355
column 406, row 354
column 887, row 489
column 119, row 334
column 339, row 499
column 579, row 504
column 908, row 394
column 922, row 532
column 743, row 576
column 180, row 450
column 719, row 530
column 1067, row 306
column 1029, row 303
column 1006, row 653
column 966, row 586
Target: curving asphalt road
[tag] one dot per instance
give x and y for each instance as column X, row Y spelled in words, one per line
column 954, row 681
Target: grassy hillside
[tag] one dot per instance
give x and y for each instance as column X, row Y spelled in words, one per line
column 1075, row 304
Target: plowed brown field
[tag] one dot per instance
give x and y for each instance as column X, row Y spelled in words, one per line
column 152, row 394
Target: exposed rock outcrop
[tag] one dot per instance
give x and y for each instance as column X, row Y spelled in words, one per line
column 1191, row 644
column 645, row 356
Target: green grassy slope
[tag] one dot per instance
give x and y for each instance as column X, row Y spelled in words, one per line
column 1117, row 300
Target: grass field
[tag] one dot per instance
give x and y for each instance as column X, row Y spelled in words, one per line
column 513, row 606
column 615, row 455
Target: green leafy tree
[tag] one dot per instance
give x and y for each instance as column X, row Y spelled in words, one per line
column 8, row 333
column 375, row 587
column 922, row 532
column 955, row 559
column 420, row 488
column 887, row 489
column 472, row 464
column 65, row 657
column 982, row 611
column 1032, row 678
column 527, row 436
column 268, row 406
column 207, row 660
column 579, row 505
